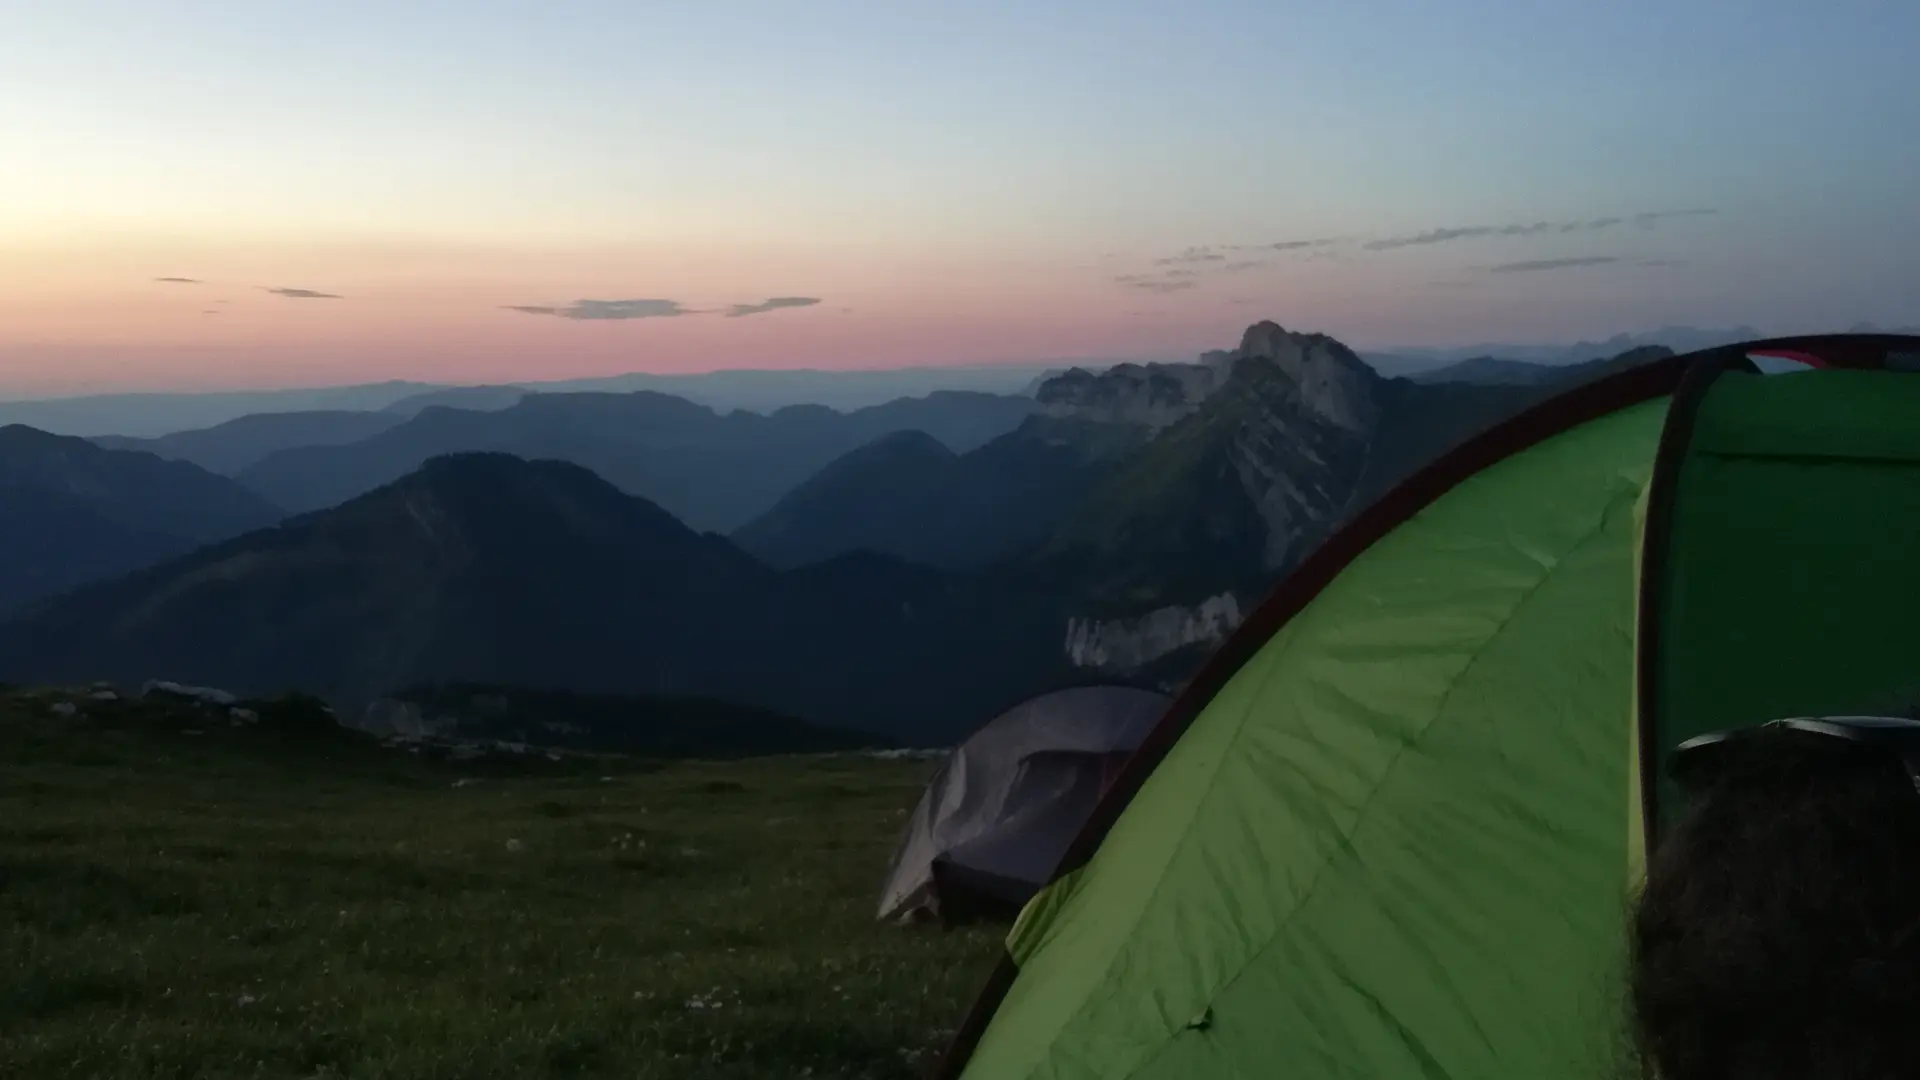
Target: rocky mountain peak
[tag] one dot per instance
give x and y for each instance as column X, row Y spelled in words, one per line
column 1334, row 382
column 1144, row 395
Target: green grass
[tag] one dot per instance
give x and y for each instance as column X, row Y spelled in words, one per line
column 245, row 904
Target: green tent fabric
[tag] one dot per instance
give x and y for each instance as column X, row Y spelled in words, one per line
column 1392, row 830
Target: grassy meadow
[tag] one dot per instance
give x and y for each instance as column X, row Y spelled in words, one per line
column 211, row 902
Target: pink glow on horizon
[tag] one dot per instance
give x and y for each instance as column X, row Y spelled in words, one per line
column 98, row 321
column 91, row 318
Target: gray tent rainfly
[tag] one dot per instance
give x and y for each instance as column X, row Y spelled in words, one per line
column 1001, row 811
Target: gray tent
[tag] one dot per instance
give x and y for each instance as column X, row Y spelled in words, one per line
column 1000, row 813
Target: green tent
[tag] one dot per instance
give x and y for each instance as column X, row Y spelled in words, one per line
column 1392, row 829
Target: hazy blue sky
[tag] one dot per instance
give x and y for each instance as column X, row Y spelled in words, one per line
column 951, row 182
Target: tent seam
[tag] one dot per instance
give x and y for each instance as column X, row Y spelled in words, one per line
column 1346, row 840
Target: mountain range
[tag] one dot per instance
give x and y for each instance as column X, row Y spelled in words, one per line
column 910, row 497
column 241, row 443
column 909, row 567
column 486, row 567
column 1148, row 486
column 714, row 471
column 1418, row 362
column 149, row 415
column 72, row 512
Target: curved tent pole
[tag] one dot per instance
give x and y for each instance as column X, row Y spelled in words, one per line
column 1865, row 352
column 1558, row 414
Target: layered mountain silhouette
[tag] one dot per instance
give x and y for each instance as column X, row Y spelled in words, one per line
column 238, row 444
column 486, row 567
column 72, row 512
column 1290, row 436
column 907, row 495
column 909, row 569
column 1500, row 371
column 1164, row 499
column 231, row 447
column 714, row 471
column 1490, row 371
column 478, row 398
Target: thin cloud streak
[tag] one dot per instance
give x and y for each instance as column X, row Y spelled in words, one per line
column 1170, row 282
column 305, row 294
column 1443, row 236
column 775, row 304
column 607, row 310
column 1299, row 245
column 653, row 308
column 1191, row 255
column 1535, row 228
column 1536, row 265
column 179, row 281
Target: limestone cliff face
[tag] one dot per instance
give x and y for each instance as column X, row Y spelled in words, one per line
column 1333, row 382
column 1122, row 644
column 1253, row 457
column 1147, row 395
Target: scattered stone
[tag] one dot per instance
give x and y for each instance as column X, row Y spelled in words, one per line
column 243, row 716
column 908, row 754
column 466, row 780
column 206, row 695
column 389, row 716
column 513, row 845
column 104, row 695
column 65, row 709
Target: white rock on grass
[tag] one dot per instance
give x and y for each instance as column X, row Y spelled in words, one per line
column 104, row 695
column 205, row 694
column 65, row 709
